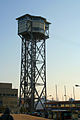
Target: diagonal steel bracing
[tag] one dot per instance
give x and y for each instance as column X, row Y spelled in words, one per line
column 33, row 73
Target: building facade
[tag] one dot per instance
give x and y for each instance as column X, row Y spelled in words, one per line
column 63, row 109
column 8, row 97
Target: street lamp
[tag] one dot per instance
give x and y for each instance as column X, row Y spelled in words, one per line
column 65, row 93
column 50, row 97
column 77, row 85
column 74, row 92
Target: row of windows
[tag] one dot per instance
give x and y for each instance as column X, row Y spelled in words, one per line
column 37, row 28
column 38, row 19
column 64, row 105
column 10, row 102
column 8, row 94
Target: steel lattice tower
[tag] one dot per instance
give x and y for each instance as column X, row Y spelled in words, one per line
column 33, row 30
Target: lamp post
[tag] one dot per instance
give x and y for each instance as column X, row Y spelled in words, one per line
column 50, row 97
column 65, row 93
column 74, row 92
column 56, row 93
column 77, row 85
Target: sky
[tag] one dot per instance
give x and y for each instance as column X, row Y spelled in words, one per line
column 62, row 48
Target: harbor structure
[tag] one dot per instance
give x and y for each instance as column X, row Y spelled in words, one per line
column 33, row 31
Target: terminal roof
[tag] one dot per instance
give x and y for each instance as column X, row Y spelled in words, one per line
column 31, row 16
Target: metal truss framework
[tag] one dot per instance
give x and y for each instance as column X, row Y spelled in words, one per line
column 33, row 73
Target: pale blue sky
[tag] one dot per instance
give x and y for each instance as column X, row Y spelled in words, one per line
column 63, row 46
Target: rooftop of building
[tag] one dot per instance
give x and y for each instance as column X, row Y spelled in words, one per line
column 5, row 85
